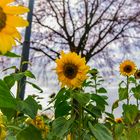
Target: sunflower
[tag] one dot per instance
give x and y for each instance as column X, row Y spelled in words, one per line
column 71, row 69
column 118, row 120
column 3, row 131
column 9, row 20
column 127, row 68
column 69, row 137
column 137, row 74
column 39, row 123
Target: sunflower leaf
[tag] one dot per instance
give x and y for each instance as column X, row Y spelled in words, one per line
column 100, row 132
column 11, row 54
column 123, row 93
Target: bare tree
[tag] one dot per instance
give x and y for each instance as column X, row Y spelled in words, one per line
column 92, row 28
column 84, row 26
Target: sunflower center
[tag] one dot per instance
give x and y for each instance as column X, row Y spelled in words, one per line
column 138, row 74
column 127, row 69
column 119, row 120
column 2, row 19
column 70, row 70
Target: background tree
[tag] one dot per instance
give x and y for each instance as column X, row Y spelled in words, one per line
column 104, row 30
column 84, row 26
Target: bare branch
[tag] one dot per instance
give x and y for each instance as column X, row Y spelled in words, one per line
column 40, row 50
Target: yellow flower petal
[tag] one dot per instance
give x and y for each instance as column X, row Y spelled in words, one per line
column 12, row 31
column 6, row 43
column 71, row 70
column 5, row 2
column 10, row 19
column 127, row 68
column 15, row 10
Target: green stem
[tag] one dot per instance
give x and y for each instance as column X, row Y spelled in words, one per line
column 95, row 85
column 76, row 111
column 137, row 100
column 17, row 97
column 127, row 86
column 72, row 114
column 18, row 90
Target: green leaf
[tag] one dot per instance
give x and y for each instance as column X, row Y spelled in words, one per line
column 82, row 98
column 132, row 80
column 17, row 76
column 110, row 115
column 118, row 130
column 62, row 95
column 9, row 112
column 14, row 127
column 100, row 102
column 28, row 73
column 102, row 90
column 122, row 83
column 29, row 133
column 61, row 126
column 115, row 105
column 87, row 83
column 12, row 67
column 136, row 91
column 6, row 99
column 123, row 93
column 29, row 106
column 93, row 110
column 133, row 133
column 10, row 138
column 62, row 109
column 35, row 86
column 10, row 81
column 104, row 97
column 11, row 54
column 99, row 81
column 130, row 112
column 100, row 132
column 98, row 99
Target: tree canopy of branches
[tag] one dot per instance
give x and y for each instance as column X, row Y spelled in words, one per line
column 84, row 26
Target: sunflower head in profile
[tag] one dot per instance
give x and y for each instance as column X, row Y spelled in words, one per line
column 137, row 74
column 9, row 20
column 3, row 131
column 71, row 69
column 118, row 120
column 127, row 68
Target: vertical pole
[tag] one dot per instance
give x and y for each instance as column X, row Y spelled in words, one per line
column 25, row 52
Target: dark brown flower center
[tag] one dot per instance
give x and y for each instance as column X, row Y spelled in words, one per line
column 137, row 75
column 127, row 69
column 70, row 70
column 2, row 19
column 119, row 121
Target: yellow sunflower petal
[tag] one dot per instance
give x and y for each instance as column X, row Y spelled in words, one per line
column 10, row 19
column 12, row 31
column 15, row 10
column 9, row 29
column 16, row 35
column 71, row 69
column 6, row 43
column 127, row 68
column 5, row 2
column 16, row 21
